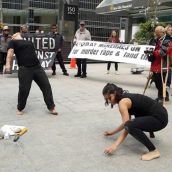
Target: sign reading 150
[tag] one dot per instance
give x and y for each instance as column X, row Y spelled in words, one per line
column 71, row 10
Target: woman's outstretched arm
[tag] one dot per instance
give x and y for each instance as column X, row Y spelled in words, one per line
column 124, row 105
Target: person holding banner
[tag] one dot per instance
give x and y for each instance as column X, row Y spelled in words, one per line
column 55, row 34
column 150, row 116
column 29, row 70
column 81, row 34
column 114, row 39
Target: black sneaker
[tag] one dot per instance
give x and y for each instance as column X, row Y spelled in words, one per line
column 159, row 100
column 54, row 73
column 167, row 99
column 66, row 74
column 77, row 75
column 83, row 76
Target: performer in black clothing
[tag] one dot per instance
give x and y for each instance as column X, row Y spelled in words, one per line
column 150, row 116
column 29, row 69
column 58, row 37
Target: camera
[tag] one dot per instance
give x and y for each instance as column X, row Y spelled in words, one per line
column 150, row 55
column 148, row 52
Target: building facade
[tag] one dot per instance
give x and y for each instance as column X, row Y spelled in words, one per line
column 100, row 26
column 42, row 13
column 133, row 12
column 34, row 13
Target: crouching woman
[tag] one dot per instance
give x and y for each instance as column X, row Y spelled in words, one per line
column 149, row 116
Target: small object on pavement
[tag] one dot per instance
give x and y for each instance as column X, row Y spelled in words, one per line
column 137, row 70
column 1, row 135
column 16, row 138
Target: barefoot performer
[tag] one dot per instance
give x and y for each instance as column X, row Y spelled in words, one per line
column 150, row 116
column 29, row 69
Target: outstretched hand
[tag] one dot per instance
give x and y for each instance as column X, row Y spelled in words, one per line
column 110, row 149
column 109, row 133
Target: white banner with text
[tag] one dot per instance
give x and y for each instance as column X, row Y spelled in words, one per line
column 115, row 52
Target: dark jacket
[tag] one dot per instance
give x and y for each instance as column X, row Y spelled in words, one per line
column 161, row 47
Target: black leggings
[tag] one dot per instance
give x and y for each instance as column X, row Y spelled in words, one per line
column 136, row 126
column 109, row 65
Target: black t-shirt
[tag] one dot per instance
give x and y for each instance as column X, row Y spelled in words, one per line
column 25, row 52
column 145, row 106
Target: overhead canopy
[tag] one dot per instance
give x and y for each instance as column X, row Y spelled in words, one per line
column 126, row 7
column 110, row 6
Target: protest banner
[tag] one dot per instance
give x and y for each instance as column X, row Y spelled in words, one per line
column 116, row 52
column 45, row 48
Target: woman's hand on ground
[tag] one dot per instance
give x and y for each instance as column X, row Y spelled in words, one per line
column 110, row 149
column 109, row 133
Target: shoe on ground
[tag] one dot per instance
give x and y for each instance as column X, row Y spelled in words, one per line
column 20, row 112
column 116, row 72
column 83, row 76
column 167, row 99
column 108, row 72
column 66, row 74
column 150, row 155
column 159, row 100
column 77, row 75
column 53, row 112
column 54, row 73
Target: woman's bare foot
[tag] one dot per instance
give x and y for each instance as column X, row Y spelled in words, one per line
column 20, row 112
column 53, row 112
column 150, row 155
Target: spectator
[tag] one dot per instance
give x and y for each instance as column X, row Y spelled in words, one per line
column 81, row 34
column 169, row 33
column 57, row 36
column 29, row 70
column 114, row 39
column 4, row 40
column 24, row 29
column 161, row 45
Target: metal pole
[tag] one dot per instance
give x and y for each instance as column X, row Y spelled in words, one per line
column 1, row 14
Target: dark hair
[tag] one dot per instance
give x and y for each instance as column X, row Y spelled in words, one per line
column 54, row 25
column 111, row 37
column 113, row 89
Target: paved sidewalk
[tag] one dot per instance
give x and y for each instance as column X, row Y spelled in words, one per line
column 74, row 141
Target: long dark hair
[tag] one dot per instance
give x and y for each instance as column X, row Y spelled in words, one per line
column 111, row 37
column 113, row 89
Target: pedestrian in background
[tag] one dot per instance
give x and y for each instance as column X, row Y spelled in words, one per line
column 24, row 29
column 113, row 39
column 4, row 40
column 81, row 34
column 169, row 33
column 161, row 43
column 59, row 39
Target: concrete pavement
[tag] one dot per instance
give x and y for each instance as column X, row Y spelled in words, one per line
column 73, row 141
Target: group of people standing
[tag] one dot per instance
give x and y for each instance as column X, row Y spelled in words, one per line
column 150, row 116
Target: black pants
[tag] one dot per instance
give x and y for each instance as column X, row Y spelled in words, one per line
column 169, row 78
column 2, row 60
column 158, row 84
column 61, row 63
column 136, row 127
column 26, row 75
column 109, row 65
column 82, row 66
